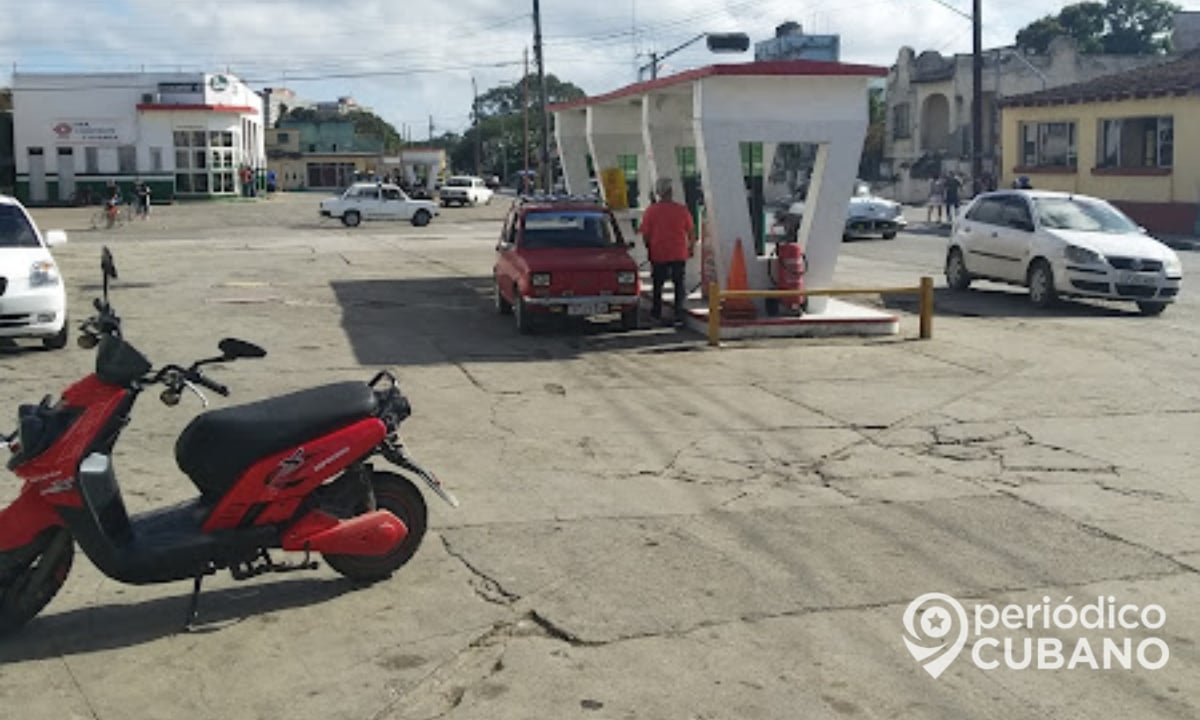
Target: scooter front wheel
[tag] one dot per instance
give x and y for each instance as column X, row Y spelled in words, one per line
column 30, row 576
column 402, row 499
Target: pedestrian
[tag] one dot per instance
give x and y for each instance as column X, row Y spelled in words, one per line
column 142, row 191
column 953, row 195
column 670, row 237
column 936, row 200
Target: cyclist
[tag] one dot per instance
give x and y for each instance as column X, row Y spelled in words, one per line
column 112, row 206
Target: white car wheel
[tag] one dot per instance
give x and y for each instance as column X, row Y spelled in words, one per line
column 957, row 277
column 1041, row 284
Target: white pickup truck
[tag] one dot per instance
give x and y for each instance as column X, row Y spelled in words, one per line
column 465, row 190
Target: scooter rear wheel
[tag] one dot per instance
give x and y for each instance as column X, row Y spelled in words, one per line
column 30, row 576
column 402, row 499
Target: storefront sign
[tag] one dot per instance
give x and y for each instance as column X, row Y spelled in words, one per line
column 94, row 131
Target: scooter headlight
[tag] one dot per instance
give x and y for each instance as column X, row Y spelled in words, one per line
column 43, row 273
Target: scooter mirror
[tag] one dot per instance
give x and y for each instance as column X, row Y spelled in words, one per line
column 232, row 349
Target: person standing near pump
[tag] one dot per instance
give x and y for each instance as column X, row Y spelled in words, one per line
column 669, row 235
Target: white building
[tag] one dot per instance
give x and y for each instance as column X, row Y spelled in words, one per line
column 185, row 134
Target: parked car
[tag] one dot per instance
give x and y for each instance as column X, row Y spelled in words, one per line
column 867, row 214
column 465, row 190
column 377, row 201
column 1058, row 244
column 564, row 257
column 33, row 302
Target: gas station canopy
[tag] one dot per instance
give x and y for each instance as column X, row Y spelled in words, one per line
column 712, row 111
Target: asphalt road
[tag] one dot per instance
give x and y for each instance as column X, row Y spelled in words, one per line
column 649, row 528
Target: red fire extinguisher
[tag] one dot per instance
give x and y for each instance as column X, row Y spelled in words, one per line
column 786, row 267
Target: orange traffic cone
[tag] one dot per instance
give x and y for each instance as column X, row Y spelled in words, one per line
column 738, row 308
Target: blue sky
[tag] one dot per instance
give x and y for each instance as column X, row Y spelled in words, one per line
column 409, row 61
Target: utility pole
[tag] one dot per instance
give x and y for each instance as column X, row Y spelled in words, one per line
column 977, row 97
column 430, row 130
column 545, row 171
column 525, row 136
column 478, row 130
column 503, row 152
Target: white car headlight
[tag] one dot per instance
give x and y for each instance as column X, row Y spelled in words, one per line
column 1083, row 256
column 43, row 272
column 1172, row 265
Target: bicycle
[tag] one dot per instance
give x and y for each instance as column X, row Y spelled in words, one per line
column 108, row 216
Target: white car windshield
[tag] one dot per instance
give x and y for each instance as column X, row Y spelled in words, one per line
column 458, row 182
column 15, row 230
column 1074, row 213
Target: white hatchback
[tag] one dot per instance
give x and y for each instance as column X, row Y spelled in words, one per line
column 33, row 302
column 1060, row 244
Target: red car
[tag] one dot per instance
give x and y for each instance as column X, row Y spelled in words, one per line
column 564, row 257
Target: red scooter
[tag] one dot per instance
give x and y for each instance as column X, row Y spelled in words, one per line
column 291, row 472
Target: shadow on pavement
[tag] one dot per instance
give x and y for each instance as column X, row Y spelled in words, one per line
column 419, row 321
column 105, row 627
column 1003, row 302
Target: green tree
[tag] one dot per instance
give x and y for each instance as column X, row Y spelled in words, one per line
column 501, row 122
column 872, row 154
column 369, row 124
column 1120, row 27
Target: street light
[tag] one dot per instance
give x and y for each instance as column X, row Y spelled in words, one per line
column 717, row 43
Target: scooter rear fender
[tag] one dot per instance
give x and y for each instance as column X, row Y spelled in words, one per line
column 27, row 516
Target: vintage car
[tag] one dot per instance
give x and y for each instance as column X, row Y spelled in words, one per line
column 465, row 190
column 377, row 201
column 564, row 257
column 866, row 215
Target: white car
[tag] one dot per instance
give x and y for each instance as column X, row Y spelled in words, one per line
column 465, row 190
column 33, row 302
column 867, row 214
column 377, row 201
column 1059, row 244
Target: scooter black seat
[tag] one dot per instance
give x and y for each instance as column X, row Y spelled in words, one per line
column 218, row 446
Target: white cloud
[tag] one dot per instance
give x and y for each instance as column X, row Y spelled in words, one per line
column 410, row 60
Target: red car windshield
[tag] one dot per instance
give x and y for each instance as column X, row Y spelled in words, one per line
column 567, row 229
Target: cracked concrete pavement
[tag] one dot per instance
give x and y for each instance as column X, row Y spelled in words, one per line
column 649, row 528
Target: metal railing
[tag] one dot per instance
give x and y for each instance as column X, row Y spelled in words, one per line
column 716, row 296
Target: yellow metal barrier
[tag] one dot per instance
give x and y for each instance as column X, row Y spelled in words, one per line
column 716, row 295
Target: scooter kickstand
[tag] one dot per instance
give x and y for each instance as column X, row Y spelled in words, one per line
column 193, row 604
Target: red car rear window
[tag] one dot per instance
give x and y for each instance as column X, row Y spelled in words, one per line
column 567, row 229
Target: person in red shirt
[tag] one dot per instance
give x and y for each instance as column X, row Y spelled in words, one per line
column 670, row 237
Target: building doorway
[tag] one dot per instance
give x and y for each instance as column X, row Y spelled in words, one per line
column 66, row 174
column 37, row 175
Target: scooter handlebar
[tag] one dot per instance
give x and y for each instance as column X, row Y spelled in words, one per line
column 213, row 385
